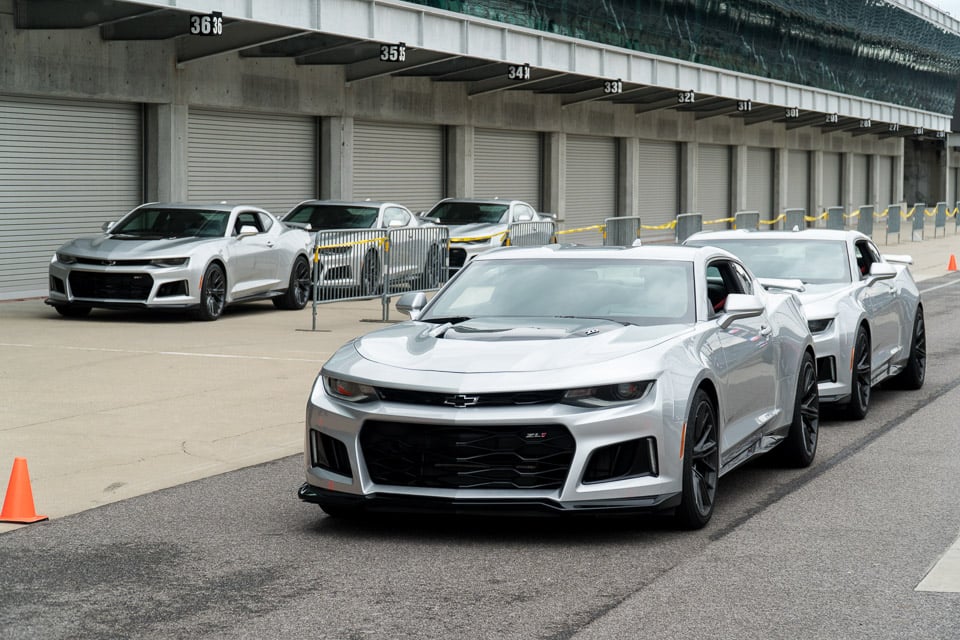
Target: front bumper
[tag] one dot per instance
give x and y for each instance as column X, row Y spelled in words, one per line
column 834, row 361
column 174, row 288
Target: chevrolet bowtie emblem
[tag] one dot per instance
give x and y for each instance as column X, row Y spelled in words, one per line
column 461, row 401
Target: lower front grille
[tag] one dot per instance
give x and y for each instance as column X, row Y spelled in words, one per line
column 113, row 286
column 827, row 369
column 467, row 457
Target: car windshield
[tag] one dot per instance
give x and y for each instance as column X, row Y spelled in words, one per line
column 329, row 216
column 644, row 292
column 160, row 222
column 811, row 261
column 454, row 213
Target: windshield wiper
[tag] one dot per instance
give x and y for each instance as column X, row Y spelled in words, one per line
column 447, row 319
column 625, row 323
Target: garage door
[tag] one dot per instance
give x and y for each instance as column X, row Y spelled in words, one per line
column 798, row 180
column 591, row 184
column 832, row 179
column 265, row 160
column 760, row 182
column 507, row 165
column 398, row 163
column 658, row 185
column 713, row 181
column 861, row 181
column 65, row 168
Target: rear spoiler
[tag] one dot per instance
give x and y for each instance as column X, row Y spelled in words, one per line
column 898, row 259
column 782, row 283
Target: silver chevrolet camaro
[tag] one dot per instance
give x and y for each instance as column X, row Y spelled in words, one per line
column 568, row 380
column 863, row 308
column 184, row 257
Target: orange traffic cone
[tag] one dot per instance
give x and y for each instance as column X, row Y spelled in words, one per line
column 952, row 265
column 18, row 505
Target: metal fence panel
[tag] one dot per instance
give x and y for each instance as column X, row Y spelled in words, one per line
column 746, row 220
column 687, row 225
column 894, row 216
column 918, row 216
column 795, row 219
column 621, row 231
column 532, row 234
column 940, row 219
column 835, row 218
column 865, row 220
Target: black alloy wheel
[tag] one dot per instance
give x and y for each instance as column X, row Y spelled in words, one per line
column 701, row 464
column 861, row 378
column 914, row 374
column 213, row 294
column 430, row 277
column 298, row 290
column 800, row 446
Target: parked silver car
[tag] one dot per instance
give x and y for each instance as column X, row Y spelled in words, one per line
column 565, row 379
column 183, row 256
column 478, row 225
column 864, row 308
column 352, row 240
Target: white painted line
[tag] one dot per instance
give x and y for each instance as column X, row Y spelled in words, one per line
column 159, row 353
column 940, row 286
column 945, row 575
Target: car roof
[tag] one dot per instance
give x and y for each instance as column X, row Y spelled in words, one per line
column 504, row 201
column 780, row 236
column 645, row 252
column 207, row 206
column 371, row 204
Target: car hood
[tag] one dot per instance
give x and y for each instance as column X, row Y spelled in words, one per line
column 490, row 345
column 117, row 248
column 475, row 230
column 820, row 300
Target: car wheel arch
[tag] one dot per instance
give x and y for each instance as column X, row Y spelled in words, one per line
column 217, row 260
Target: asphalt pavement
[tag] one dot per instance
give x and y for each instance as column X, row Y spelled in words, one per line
column 119, row 404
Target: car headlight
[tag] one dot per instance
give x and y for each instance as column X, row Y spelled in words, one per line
column 608, row 395
column 349, row 390
column 819, row 326
column 170, row 262
column 66, row 258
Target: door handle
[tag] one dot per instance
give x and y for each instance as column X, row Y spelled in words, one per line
column 765, row 330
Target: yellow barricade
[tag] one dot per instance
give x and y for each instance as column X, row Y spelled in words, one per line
column 318, row 249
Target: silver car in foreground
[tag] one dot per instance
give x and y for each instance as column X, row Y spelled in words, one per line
column 479, row 225
column 565, row 380
column 184, row 257
column 863, row 308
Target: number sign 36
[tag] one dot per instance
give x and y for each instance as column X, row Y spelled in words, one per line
column 207, row 25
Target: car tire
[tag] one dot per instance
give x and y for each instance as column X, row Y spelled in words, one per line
column 800, row 446
column 860, row 384
column 371, row 281
column 913, row 376
column 298, row 289
column 213, row 294
column 430, row 277
column 701, row 463
column 72, row 310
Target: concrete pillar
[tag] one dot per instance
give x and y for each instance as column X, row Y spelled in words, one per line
column 554, row 173
column 460, row 163
column 738, row 177
column 816, row 189
column 628, row 188
column 336, row 158
column 898, row 176
column 167, row 162
column 846, row 183
column 874, row 187
column 689, row 152
column 781, row 178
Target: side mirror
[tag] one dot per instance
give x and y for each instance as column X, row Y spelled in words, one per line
column 394, row 224
column 524, row 217
column 106, row 226
column 738, row 307
column 881, row 271
column 412, row 303
column 247, row 230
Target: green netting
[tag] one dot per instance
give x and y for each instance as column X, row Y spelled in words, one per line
column 867, row 48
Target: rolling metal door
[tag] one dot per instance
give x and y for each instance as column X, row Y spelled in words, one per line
column 713, row 181
column 267, row 161
column 798, row 180
column 507, row 165
column 66, row 167
column 861, row 181
column 399, row 163
column 760, row 182
column 591, row 184
column 658, row 185
column 885, row 176
column 832, row 179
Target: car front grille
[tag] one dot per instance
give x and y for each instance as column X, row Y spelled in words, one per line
column 113, row 263
column 827, row 369
column 113, row 286
column 508, row 399
column 467, row 457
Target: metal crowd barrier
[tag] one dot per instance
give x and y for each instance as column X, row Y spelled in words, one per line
column 687, row 225
column 621, row 231
column 894, row 216
column 940, row 219
column 746, row 220
column 795, row 219
column 865, row 220
column 532, row 234
column 358, row 264
column 835, row 218
column 917, row 213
